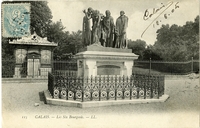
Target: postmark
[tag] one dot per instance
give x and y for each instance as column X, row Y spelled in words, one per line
column 16, row 19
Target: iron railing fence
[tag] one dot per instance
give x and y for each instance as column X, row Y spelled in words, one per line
column 65, row 68
column 167, row 67
column 11, row 69
column 64, row 65
column 101, row 88
column 70, row 68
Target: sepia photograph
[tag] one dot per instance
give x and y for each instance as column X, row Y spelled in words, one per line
column 103, row 64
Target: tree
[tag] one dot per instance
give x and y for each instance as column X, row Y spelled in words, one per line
column 138, row 47
column 56, row 34
column 40, row 17
column 6, row 49
column 176, row 43
column 150, row 53
column 68, row 44
column 190, row 36
column 76, row 41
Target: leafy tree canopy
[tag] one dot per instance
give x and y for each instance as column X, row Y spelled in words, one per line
column 138, row 47
column 176, row 43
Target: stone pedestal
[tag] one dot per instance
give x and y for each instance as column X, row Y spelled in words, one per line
column 96, row 60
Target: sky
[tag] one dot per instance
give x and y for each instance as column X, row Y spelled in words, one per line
column 177, row 12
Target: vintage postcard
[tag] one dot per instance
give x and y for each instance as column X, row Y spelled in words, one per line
column 105, row 63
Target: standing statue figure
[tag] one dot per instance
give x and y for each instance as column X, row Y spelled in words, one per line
column 86, row 35
column 108, row 29
column 120, row 31
column 96, row 27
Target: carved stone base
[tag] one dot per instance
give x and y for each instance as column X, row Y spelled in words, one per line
column 97, row 60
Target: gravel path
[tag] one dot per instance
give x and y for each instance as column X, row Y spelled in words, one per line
column 180, row 110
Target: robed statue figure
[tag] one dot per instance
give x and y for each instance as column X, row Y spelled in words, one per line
column 120, row 31
column 108, row 29
column 86, row 34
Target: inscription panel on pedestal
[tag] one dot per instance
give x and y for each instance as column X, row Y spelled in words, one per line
column 109, row 67
column 108, row 70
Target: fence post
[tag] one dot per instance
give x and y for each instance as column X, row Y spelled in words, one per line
column 150, row 66
column 99, row 80
column 192, row 65
column 158, row 78
column 172, row 68
column 54, row 82
column 91, row 90
column 131, row 86
column 83, row 80
column 33, row 67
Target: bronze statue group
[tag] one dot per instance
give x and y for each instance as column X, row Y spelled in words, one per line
column 103, row 31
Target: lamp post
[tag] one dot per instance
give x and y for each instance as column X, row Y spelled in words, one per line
column 192, row 65
column 149, row 66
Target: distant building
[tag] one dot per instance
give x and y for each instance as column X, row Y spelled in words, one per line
column 33, row 56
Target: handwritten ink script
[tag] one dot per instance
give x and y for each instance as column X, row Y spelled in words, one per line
column 16, row 20
column 148, row 14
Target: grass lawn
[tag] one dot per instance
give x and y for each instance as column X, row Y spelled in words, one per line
column 143, row 70
column 180, row 110
column 146, row 71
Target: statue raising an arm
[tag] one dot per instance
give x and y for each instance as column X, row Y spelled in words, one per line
column 86, row 34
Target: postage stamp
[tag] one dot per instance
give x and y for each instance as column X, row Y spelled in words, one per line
column 16, row 19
